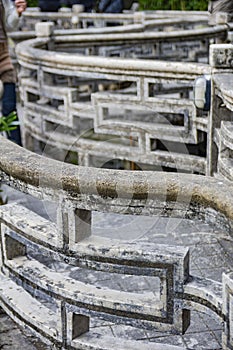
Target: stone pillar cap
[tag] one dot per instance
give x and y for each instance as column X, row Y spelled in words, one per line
column 77, row 8
column 44, row 29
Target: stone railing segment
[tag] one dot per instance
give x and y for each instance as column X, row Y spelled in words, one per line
column 68, row 302
column 157, row 99
column 75, row 19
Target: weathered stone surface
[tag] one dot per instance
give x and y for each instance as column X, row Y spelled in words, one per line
column 44, row 29
column 143, row 103
column 221, row 56
column 44, row 265
column 190, row 338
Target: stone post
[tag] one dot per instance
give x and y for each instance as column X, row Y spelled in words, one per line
column 139, row 17
column 74, row 224
column 220, row 59
column 44, row 29
column 76, row 9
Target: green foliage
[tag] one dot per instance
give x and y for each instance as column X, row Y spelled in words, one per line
column 9, row 123
column 195, row 5
column 32, row 3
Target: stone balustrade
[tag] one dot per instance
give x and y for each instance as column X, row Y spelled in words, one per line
column 93, row 23
column 96, row 98
column 27, row 239
column 64, row 94
column 74, row 18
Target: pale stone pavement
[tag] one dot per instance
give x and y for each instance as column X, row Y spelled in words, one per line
column 211, row 254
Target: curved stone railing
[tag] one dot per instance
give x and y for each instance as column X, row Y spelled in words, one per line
column 75, row 23
column 29, row 241
column 68, row 94
column 68, row 18
column 155, row 96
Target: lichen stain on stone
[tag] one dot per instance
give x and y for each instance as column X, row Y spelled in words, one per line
column 106, row 189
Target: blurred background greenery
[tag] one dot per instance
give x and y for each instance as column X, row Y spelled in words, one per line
column 32, row 3
column 184, row 5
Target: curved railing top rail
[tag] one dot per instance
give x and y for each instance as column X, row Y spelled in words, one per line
column 163, row 22
column 134, row 27
column 67, row 14
column 151, row 23
column 165, row 36
column 32, row 52
column 25, row 35
column 126, row 28
column 91, row 184
column 36, row 14
column 172, row 13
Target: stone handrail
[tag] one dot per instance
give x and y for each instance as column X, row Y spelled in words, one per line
column 34, row 170
column 32, row 51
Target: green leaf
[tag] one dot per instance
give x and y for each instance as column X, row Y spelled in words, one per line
column 9, row 122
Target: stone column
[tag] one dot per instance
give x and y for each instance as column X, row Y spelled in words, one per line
column 227, row 282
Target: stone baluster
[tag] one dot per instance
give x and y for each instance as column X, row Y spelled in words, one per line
column 74, row 224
